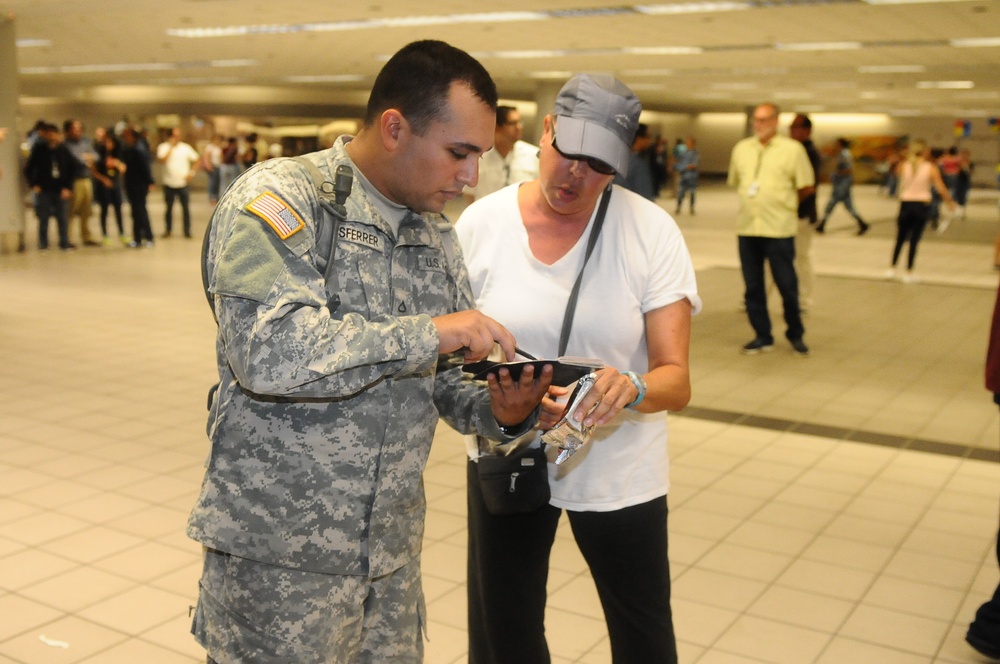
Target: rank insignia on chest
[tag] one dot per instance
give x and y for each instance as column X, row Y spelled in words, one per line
column 281, row 218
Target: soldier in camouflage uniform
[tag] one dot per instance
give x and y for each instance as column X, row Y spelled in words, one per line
column 312, row 506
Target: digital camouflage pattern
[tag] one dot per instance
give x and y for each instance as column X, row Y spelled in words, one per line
column 323, row 420
column 254, row 612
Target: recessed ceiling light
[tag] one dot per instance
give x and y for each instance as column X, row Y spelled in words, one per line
column 326, row 78
column 759, row 71
column 520, row 54
column 692, row 7
column 92, row 69
column 891, row 69
column 834, row 85
column 647, row 72
column 233, row 63
column 662, row 50
column 907, row 2
column 368, row 24
column 980, row 42
column 556, row 74
column 818, row 46
column 945, row 85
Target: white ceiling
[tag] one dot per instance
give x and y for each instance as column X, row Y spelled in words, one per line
column 739, row 65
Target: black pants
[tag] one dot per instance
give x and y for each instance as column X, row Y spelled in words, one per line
column 985, row 628
column 141, row 230
column 508, row 568
column 779, row 253
column 110, row 197
column 49, row 204
column 913, row 216
column 184, row 194
column 986, row 625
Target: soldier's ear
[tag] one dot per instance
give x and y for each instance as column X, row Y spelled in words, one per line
column 391, row 128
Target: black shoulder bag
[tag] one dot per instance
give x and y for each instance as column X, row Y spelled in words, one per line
column 518, row 482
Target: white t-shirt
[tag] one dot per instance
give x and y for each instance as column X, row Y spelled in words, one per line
column 178, row 164
column 640, row 263
column 213, row 156
column 496, row 172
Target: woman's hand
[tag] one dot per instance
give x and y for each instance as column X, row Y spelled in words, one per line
column 611, row 392
column 552, row 410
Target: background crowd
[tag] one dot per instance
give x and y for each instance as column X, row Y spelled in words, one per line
column 69, row 175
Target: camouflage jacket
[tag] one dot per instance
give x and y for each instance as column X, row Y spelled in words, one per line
column 323, row 420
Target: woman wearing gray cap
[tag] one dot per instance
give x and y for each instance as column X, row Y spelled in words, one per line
column 525, row 246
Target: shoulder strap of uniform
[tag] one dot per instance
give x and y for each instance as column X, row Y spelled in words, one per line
column 332, row 196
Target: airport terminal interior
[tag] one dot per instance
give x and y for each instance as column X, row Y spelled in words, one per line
column 837, row 509
column 840, row 508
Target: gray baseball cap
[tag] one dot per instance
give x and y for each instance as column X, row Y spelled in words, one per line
column 597, row 116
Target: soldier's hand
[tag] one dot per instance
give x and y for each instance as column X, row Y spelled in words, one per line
column 473, row 333
column 513, row 401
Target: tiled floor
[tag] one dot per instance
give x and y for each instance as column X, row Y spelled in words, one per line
column 836, row 509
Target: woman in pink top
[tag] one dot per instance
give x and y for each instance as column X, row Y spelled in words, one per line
column 916, row 177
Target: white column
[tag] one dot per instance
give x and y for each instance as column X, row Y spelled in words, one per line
column 11, row 207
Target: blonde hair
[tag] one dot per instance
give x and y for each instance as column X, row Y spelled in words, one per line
column 916, row 151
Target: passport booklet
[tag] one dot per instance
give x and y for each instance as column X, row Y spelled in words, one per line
column 565, row 370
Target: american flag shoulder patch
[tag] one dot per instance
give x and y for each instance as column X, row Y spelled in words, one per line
column 276, row 213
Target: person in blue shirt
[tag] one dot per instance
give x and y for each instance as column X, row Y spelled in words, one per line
column 842, row 181
column 687, row 174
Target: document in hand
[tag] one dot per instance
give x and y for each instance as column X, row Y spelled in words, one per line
column 565, row 370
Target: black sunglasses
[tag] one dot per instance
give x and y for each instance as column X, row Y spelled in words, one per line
column 596, row 165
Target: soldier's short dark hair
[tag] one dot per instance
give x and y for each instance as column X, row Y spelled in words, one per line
column 417, row 79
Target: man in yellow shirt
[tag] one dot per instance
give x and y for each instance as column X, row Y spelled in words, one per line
column 772, row 174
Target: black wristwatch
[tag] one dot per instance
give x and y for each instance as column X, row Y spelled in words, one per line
column 515, row 430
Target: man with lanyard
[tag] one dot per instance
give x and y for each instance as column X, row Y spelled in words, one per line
column 511, row 159
column 772, row 174
column 312, row 506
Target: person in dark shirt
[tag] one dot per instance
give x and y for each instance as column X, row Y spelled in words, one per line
column 138, row 180
column 801, row 130
column 49, row 172
column 108, row 175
